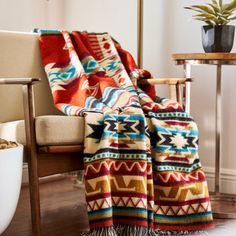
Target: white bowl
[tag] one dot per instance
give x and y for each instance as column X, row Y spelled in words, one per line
column 11, row 161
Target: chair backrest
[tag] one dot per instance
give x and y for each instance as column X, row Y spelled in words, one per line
column 20, row 58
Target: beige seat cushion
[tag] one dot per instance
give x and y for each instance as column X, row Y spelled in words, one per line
column 50, row 130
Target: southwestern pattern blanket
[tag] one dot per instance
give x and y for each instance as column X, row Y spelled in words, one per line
column 142, row 170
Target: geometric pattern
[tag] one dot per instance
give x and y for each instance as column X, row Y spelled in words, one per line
column 99, row 204
column 174, row 140
column 118, row 166
column 179, row 194
column 177, row 177
column 183, row 210
column 129, row 202
column 142, row 170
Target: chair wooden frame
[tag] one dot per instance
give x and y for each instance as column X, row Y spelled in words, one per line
column 49, row 160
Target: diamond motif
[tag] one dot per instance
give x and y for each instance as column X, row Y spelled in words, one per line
column 179, row 141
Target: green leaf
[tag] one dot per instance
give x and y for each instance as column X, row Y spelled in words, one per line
column 215, row 13
column 223, row 21
column 193, row 9
column 220, row 3
column 214, row 7
column 232, row 18
column 230, row 6
column 227, row 13
column 209, row 22
column 214, row 2
column 203, row 8
column 207, row 16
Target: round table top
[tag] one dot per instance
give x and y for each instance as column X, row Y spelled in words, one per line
column 204, row 56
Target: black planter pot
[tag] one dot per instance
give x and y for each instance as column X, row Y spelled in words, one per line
column 218, row 38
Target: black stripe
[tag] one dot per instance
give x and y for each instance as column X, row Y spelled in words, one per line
column 120, row 151
column 175, row 163
column 177, row 118
column 130, row 217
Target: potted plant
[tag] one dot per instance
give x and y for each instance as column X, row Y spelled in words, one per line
column 11, row 159
column 217, row 35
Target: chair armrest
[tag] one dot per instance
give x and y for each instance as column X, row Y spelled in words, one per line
column 20, row 81
column 29, row 115
column 28, row 101
column 169, row 81
column 174, row 88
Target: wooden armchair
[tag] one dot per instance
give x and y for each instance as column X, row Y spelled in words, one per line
column 20, row 64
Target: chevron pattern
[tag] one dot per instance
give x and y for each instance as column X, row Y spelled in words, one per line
column 142, row 169
column 99, row 204
column 118, row 202
column 118, row 166
column 183, row 210
column 177, row 177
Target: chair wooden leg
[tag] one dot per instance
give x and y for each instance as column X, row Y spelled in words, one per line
column 34, row 199
column 172, row 92
column 187, row 96
column 179, row 94
column 32, row 158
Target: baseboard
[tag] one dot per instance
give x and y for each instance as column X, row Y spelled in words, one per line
column 228, row 179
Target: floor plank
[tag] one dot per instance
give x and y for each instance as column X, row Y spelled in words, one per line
column 64, row 211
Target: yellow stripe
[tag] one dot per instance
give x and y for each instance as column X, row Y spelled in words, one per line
column 200, row 219
column 100, row 216
column 129, row 214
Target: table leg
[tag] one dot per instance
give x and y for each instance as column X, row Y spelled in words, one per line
column 218, row 130
column 187, row 74
column 217, row 195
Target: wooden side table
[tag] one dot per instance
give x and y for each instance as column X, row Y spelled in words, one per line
column 217, row 59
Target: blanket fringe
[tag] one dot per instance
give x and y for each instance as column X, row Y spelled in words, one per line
column 181, row 232
column 132, row 230
column 106, row 231
column 122, row 230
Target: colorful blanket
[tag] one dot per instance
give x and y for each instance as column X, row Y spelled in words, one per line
column 142, row 170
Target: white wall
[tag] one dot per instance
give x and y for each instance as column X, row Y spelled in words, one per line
column 168, row 29
column 116, row 17
column 25, row 15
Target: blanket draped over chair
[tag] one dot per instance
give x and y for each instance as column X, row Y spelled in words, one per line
column 142, row 170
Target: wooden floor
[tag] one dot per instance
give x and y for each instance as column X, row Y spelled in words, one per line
column 64, row 211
